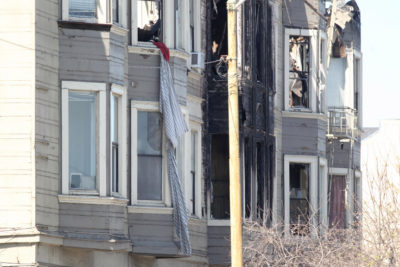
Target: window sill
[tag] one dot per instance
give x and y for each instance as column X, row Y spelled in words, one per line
column 148, row 48
column 307, row 114
column 84, row 25
column 80, row 199
column 150, row 210
column 214, row 222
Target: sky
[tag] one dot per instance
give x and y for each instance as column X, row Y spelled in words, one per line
column 380, row 29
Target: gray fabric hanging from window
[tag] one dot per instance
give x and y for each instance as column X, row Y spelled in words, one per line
column 175, row 126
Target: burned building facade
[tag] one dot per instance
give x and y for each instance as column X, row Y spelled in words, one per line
column 299, row 148
column 257, row 142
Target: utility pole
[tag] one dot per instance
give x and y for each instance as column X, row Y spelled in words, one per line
column 235, row 198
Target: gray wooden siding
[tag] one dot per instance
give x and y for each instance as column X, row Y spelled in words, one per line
column 47, row 113
column 219, row 245
column 152, row 234
column 339, row 154
column 118, row 46
column 89, row 221
column 193, row 86
column 84, row 55
column 303, row 136
column 198, row 237
column 144, row 77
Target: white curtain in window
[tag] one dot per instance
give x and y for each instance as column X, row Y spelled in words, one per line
column 82, row 8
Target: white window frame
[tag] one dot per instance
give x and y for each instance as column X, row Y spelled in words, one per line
column 100, row 12
column 194, row 127
column 323, row 193
column 313, row 161
column 359, row 57
column 120, row 92
column 197, row 27
column 322, row 70
column 312, row 87
column 104, row 10
column 100, row 89
column 349, row 192
column 148, row 106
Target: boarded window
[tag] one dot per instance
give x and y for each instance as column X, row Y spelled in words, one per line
column 149, row 156
column 219, row 177
column 299, row 66
column 299, row 197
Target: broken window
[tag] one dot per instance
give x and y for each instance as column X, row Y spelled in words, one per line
column 337, row 212
column 148, row 20
column 299, row 67
column 260, row 181
column 247, row 178
column 219, row 177
column 219, row 37
column 260, row 31
column 299, row 197
column 356, row 79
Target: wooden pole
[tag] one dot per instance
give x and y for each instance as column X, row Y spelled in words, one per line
column 234, row 158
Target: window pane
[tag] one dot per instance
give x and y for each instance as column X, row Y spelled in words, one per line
column 299, row 197
column 191, row 16
column 149, row 156
column 178, row 24
column 114, row 118
column 192, row 179
column 148, row 19
column 82, row 8
column 115, row 10
column 299, row 65
column 149, row 133
column 82, row 140
column 149, row 178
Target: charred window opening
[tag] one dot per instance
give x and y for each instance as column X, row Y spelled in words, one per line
column 247, row 178
column 356, row 82
column 260, row 181
column 219, row 36
column 299, row 67
column 259, row 55
column 299, row 197
column 149, row 20
column 219, row 177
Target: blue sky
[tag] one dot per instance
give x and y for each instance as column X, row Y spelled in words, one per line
column 380, row 21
